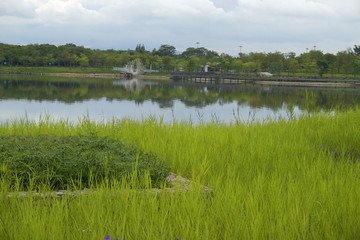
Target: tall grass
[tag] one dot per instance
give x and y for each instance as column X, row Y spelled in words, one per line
column 271, row 180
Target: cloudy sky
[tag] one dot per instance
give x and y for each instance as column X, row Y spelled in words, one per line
column 220, row 25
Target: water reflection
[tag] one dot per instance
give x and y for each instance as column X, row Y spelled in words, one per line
column 135, row 98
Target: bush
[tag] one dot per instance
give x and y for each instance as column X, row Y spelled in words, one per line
column 63, row 160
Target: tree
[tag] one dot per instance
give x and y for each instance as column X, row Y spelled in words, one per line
column 259, row 58
column 192, row 64
column 276, row 61
column 357, row 65
column 290, row 62
column 140, row 48
column 165, row 50
column 357, row 50
column 345, row 61
column 331, row 60
column 166, row 61
column 124, row 58
column 293, row 65
column 250, row 66
column 2, row 59
column 237, row 65
column 83, row 61
column 310, row 66
column 225, row 62
column 323, row 66
column 199, row 52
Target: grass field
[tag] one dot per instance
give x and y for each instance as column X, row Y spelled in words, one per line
column 283, row 179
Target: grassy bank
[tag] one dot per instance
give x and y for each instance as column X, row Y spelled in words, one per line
column 295, row 179
column 83, row 70
column 58, row 69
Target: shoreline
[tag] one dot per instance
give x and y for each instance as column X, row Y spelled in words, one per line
column 89, row 75
column 167, row 78
column 86, row 75
column 308, row 84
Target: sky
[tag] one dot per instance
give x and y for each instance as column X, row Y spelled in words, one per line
column 220, row 25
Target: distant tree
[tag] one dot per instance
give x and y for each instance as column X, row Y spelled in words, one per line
column 192, row 64
column 293, row 65
column 322, row 65
column 2, row 58
column 225, row 62
column 25, row 61
column 50, row 60
column 357, row 50
column 237, row 65
column 211, row 54
column 140, row 48
column 250, row 66
column 259, row 58
column 83, row 61
column 345, row 61
column 166, row 62
column 276, row 61
column 357, row 65
column 97, row 59
column 310, row 66
column 199, row 52
column 303, row 59
column 331, row 61
column 165, row 50
column 124, row 58
column 315, row 55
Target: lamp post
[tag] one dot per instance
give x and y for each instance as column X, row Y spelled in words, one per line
column 197, row 44
column 240, row 50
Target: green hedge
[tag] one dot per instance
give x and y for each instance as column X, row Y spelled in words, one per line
column 63, row 161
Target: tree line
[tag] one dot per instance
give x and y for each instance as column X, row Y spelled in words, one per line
column 167, row 59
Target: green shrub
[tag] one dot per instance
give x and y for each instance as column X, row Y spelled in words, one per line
column 63, row 160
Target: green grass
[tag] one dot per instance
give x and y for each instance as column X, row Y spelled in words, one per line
column 271, row 180
column 58, row 69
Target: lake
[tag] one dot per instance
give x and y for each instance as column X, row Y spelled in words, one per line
column 105, row 99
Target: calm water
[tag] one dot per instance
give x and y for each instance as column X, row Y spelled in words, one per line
column 103, row 99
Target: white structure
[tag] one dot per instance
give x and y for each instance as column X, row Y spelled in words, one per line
column 134, row 68
column 265, row 74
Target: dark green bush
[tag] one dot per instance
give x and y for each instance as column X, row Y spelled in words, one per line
column 61, row 161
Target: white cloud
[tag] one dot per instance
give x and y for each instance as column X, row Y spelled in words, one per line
column 303, row 8
column 65, row 12
column 262, row 25
column 22, row 9
column 227, row 5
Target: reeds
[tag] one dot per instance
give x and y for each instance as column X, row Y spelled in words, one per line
column 271, row 180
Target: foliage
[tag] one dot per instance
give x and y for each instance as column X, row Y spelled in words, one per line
column 62, row 160
column 357, row 50
column 271, row 180
column 166, row 59
column 165, row 50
